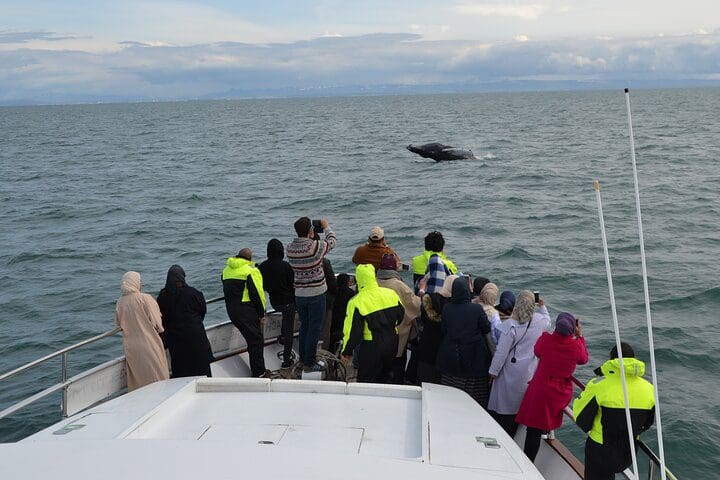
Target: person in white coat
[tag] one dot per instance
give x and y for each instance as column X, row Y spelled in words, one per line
column 514, row 362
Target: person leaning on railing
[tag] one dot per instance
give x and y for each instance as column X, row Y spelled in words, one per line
column 600, row 411
column 245, row 305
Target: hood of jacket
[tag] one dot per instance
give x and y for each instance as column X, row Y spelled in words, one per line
column 365, row 276
column 275, row 249
column 237, row 262
column 633, row 367
column 388, row 274
column 130, row 283
column 460, row 291
column 175, row 276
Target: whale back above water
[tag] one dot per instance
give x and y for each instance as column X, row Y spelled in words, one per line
column 441, row 152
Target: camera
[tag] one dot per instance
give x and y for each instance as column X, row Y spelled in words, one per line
column 317, row 226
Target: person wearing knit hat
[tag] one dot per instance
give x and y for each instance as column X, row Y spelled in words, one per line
column 373, row 251
column 514, row 363
column 551, row 388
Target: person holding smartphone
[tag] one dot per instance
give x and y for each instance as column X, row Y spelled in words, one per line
column 514, row 363
column 551, row 388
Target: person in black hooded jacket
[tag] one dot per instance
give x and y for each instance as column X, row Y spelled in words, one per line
column 183, row 311
column 464, row 356
column 278, row 281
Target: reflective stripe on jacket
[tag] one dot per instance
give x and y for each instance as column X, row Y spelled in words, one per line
column 600, row 409
column 373, row 314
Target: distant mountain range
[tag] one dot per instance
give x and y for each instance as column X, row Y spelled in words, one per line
column 370, row 90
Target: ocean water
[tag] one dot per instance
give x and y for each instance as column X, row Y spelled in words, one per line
column 91, row 191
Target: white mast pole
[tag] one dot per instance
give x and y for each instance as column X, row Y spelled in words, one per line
column 617, row 329
column 651, row 342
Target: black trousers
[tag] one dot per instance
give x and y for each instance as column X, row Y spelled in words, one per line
column 247, row 321
column 507, row 422
column 533, row 436
column 602, row 462
column 376, row 361
column 286, row 330
column 398, row 370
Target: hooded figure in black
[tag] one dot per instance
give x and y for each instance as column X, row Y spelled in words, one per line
column 183, row 311
column 464, row 356
column 278, row 281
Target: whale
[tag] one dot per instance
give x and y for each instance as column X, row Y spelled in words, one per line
column 441, row 152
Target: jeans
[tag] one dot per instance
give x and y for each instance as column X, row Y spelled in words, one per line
column 311, row 311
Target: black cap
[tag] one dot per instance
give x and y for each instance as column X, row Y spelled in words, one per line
column 626, row 349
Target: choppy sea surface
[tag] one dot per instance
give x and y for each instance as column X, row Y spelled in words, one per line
column 91, row 191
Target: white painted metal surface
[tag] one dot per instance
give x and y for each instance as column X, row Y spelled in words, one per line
column 358, row 430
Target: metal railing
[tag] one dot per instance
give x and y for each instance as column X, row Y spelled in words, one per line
column 64, row 382
column 653, row 459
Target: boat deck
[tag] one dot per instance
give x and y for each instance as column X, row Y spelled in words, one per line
column 439, row 429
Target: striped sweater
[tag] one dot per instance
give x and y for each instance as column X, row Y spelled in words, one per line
column 305, row 256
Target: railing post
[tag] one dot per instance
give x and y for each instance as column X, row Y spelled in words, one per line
column 651, row 469
column 64, row 390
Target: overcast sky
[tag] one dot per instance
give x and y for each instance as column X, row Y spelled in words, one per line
column 73, row 49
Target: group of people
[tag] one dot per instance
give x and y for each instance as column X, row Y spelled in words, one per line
column 456, row 331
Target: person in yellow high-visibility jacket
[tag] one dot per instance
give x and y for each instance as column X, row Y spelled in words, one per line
column 245, row 304
column 371, row 321
column 600, row 411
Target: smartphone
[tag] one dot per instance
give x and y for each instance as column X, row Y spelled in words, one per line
column 405, row 266
column 317, row 225
column 537, row 296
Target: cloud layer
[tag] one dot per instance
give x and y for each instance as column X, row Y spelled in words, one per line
column 136, row 70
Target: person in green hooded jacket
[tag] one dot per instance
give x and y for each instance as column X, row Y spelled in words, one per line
column 245, row 304
column 371, row 321
column 600, row 411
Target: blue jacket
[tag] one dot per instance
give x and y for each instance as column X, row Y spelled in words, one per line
column 464, row 351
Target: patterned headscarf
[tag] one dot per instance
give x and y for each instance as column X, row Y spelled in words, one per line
column 489, row 294
column 524, row 307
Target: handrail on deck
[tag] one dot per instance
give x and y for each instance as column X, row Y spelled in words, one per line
column 654, row 460
column 64, row 370
column 63, row 351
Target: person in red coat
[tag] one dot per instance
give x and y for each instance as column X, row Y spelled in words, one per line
column 551, row 388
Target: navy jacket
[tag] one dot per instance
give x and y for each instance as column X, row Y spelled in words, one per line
column 464, row 351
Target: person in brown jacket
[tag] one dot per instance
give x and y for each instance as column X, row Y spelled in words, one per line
column 138, row 315
column 388, row 277
column 373, row 251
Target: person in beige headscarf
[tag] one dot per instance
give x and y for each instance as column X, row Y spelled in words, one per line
column 488, row 299
column 514, row 362
column 138, row 316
